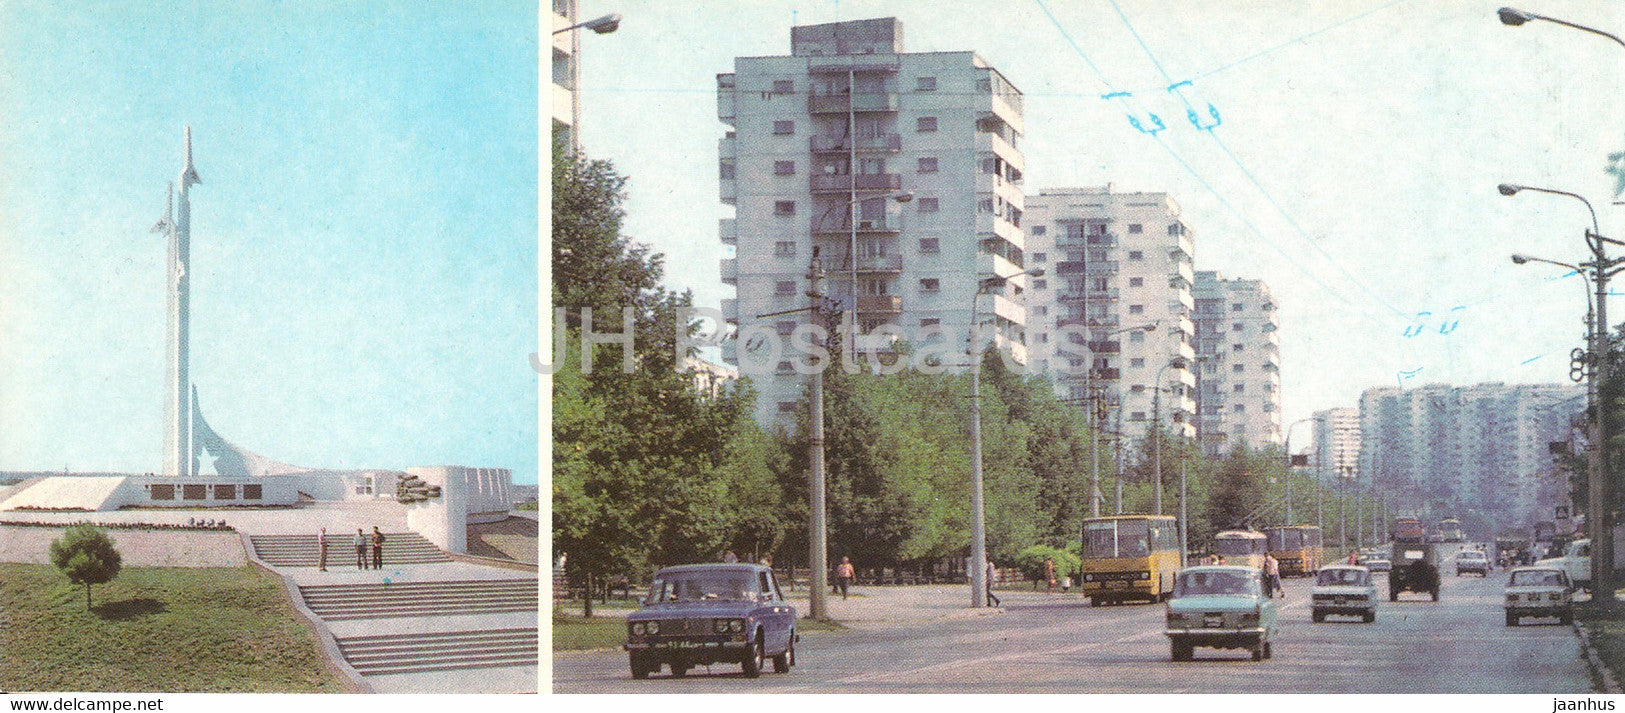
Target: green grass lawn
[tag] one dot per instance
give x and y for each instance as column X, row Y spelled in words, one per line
column 1605, row 623
column 227, row 629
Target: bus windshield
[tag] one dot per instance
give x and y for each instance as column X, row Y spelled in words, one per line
column 1240, row 546
column 1107, row 539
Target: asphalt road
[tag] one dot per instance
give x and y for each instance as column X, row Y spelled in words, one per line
column 1059, row 644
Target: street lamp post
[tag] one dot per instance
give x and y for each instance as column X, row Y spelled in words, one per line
column 1095, row 495
column 978, row 542
column 1156, row 426
column 601, row 25
column 1599, row 484
column 1513, row 18
column 1289, row 465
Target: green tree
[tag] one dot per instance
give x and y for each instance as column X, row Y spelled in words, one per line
column 87, row 556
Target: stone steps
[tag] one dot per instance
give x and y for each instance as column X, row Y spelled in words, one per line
column 338, row 602
column 412, row 653
column 302, row 550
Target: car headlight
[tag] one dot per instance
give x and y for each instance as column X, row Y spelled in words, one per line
column 1145, row 575
column 719, row 625
column 1088, row 577
column 638, row 628
column 654, row 627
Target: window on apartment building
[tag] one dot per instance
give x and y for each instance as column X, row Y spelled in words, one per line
column 1137, row 416
column 1040, row 257
column 925, row 124
column 1237, row 327
column 1269, row 407
column 1136, row 309
column 784, row 168
column 726, row 171
column 1238, row 368
column 1237, row 347
column 1136, row 282
column 1137, row 336
column 1100, row 284
column 1137, row 361
column 1041, row 310
column 1043, row 338
column 986, row 206
column 784, row 128
column 928, row 245
column 1135, row 228
column 783, row 86
column 928, row 205
column 1040, row 284
column 1136, row 255
column 1036, row 230
column 784, row 287
column 784, row 248
column 1240, row 408
column 929, row 284
column 925, row 84
column 784, row 208
column 928, row 164
column 930, row 322
column 1239, row 388
column 1175, row 229
column 1236, row 307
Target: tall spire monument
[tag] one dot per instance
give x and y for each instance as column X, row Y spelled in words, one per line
column 178, row 456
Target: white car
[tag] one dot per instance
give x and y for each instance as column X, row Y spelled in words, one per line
column 1575, row 562
column 1344, row 590
column 1474, row 561
column 1539, row 591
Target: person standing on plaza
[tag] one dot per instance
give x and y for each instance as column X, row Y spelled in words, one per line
column 992, row 575
column 843, row 575
column 360, row 549
column 377, row 548
column 1272, row 575
column 321, row 546
column 1049, row 573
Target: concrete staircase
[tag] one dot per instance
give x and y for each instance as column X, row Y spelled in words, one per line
column 302, row 550
column 339, row 602
column 413, row 653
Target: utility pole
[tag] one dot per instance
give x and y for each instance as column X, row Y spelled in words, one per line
column 1184, row 526
column 1117, row 455
column 1095, row 496
column 817, row 535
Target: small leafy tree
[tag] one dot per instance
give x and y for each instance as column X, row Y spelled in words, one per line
column 1031, row 562
column 87, row 556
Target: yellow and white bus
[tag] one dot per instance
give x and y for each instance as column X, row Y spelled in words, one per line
column 1296, row 547
column 1129, row 557
column 1242, row 548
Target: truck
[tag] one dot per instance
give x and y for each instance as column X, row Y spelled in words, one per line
column 1415, row 562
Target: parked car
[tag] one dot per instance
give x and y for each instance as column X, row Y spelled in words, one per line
column 701, row 614
column 1220, row 607
column 1539, row 591
column 1379, row 564
column 1474, row 561
column 1575, row 562
column 1344, row 590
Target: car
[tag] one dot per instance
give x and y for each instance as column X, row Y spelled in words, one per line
column 1539, row 591
column 1575, row 562
column 1474, row 561
column 1220, row 607
column 701, row 614
column 1379, row 564
column 1344, row 590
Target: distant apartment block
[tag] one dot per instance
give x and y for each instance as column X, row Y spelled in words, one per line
column 1337, row 444
column 1238, row 345
column 823, row 142
column 1443, row 450
column 1114, row 262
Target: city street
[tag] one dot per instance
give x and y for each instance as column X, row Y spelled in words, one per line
column 1059, row 644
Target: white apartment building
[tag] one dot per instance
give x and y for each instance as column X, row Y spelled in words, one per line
column 1465, row 451
column 566, row 73
column 823, row 143
column 1114, row 262
column 1337, row 444
column 1238, row 347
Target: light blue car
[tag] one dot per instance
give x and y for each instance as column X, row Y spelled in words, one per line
column 1220, row 607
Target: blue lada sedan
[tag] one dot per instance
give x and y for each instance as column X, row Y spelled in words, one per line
column 1221, row 607
column 701, row 614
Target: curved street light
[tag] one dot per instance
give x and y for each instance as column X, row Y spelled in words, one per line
column 601, row 25
column 1513, row 17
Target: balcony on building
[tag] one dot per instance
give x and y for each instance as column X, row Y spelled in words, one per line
column 865, row 182
column 1109, row 374
column 1106, row 295
column 859, row 63
column 837, row 222
column 880, row 304
column 991, row 140
column 725, row 98
column 1105, row 347
column 728, row 231
column 843, row 102
column 891, row 143
column 880, row 263
column 730, row 271
column 730, row 310
column 728, row 190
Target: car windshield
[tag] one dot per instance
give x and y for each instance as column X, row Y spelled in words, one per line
column 1538, row 578
column 702, row 586
column 1473, row 555
column 1210, row 582
column 1342, row 578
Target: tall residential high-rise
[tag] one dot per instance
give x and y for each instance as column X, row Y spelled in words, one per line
column 1114, row 262
column 1239, row 375
column 826, row 145
column 1476, row 450
column 566, row 72
column 1337, row 444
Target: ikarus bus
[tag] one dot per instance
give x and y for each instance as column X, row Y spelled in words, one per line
column 1245, row 548
column 1129, row 557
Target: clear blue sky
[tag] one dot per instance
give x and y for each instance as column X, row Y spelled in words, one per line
column 1354, row 171
column 364, row 241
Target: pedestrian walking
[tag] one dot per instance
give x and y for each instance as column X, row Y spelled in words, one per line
column 321, row 545
column 360, row 549
column 377, row 548
column 843, row 575
column 1272, row 575
column 730, row 557
column 992, row 575
column 1049, row 573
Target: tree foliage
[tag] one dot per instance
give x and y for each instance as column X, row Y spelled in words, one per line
column 87, row 556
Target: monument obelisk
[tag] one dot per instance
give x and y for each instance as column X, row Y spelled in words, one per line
column 177, row 398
